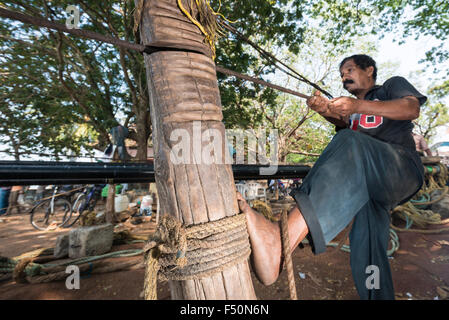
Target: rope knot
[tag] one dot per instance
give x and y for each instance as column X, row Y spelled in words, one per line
column 169, row 238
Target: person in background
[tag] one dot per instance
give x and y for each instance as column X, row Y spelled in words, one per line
column 13, row 197
column 39, row 193
column 4, row 199
column 421, row 145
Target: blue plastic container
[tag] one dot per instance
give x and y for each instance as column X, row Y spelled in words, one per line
column 4, row 199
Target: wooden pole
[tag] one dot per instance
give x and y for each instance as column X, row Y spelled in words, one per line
column 110, row 205
column 110, row 200
column 184, row 98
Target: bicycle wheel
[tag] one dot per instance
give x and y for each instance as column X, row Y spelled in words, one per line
column 43, row 215
column 78, row 207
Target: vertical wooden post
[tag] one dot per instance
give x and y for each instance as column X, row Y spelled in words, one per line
column 110, row 205
column 184, row 97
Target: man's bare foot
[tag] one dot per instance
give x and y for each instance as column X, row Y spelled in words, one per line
column 265, row 238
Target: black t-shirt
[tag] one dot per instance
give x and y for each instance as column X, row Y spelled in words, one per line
column 398, row 132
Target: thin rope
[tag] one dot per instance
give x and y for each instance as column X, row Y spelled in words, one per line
column 288, row 255
column 273, row 60
column 23, row 269
column 261, row 82
column 209, row 37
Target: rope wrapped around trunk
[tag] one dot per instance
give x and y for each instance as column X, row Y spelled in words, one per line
column 175, row 252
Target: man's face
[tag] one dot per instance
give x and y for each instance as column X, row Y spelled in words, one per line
column 356, row 79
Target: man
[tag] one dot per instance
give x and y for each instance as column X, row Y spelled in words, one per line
column 368, row 168
column 421, row 145
column 13, row 200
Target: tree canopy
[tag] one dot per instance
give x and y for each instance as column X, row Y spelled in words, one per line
column 62, row 93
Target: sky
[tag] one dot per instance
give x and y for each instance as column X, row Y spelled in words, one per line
column 407, row 56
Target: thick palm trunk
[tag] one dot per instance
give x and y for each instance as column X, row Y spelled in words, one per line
column 183, row 90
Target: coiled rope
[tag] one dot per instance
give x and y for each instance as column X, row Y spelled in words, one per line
column 175, row 252
column 23, row 269
column 412, row 212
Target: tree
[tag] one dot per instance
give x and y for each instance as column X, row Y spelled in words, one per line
column 433, row 114
column 419, row 19
column 35, row 115
column 90, row 74
column 416, row 18
column 87, row 74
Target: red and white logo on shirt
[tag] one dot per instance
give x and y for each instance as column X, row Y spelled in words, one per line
column 366, row 121
column 370, row 122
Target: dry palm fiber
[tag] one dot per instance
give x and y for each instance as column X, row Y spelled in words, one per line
column 265, row 209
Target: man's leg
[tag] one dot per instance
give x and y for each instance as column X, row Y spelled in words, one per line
column 12, row 202
column 265, row 238
column 370, row 266
column 349, row 173
column 325, row 205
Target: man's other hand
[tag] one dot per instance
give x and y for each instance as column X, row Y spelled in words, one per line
column 318, row 103
column 344, row 106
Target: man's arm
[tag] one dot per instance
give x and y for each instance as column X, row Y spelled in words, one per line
column 406, row 108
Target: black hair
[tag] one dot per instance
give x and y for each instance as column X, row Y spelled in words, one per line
column 362, row 61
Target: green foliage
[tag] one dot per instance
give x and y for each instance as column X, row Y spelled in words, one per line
column 433, row 114
column 271, row 24
column 32, row 110
column 79, row 82
column 417, row 18
column 440, row 91
column 62, row 93
column 285, row 29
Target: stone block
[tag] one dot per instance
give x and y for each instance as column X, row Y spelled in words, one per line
column 90, row 241
column 62, row 246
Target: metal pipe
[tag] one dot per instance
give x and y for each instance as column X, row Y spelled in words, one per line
column 55, row 173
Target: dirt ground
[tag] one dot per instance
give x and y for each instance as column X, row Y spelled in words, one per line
column 420, row 270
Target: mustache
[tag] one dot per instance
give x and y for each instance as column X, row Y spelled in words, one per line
column 346, row 82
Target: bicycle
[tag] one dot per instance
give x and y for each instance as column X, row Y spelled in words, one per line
column 85, row 200
column 53, row 211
